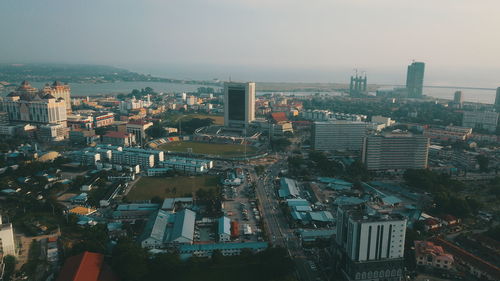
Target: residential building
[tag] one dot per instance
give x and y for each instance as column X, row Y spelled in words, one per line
column 103, row 119
column 431, row 255
column 486, row 120
column 395, row 151
column 187, row 165
column 338, row 135
column 52, row 132
column 144, row 160
column 371, row 244
column 415, row 79
column 239, row 104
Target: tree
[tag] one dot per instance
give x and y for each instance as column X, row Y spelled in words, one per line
column 156, row 131
column 129, row 260
column 10, row 267
column 483, row 162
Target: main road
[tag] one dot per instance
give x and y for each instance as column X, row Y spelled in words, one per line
column 275, row 223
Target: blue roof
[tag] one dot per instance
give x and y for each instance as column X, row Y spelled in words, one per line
column 391, row 200
column 184, row 225
column 297, row 216
column 224, row 226
column 137, row 207
column 288, row 187
column 334, row 181
column 222, row 246
column 323, row 216
column 297, row 202
column 347, row 200
column 316, row 233
column 303, row 208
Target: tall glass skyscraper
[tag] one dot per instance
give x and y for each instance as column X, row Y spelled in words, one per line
column 415, row 79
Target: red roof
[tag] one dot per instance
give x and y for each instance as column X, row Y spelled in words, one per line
column 279, row 116
column 115, row 134
column 86, row 267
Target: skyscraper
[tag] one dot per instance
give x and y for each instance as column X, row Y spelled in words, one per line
column 497, row 100
column 458, row 98
column 415, row 79
column 370, row 244
column 239, row 104
column 358, row 85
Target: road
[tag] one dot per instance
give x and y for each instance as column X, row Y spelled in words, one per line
column 275, row 222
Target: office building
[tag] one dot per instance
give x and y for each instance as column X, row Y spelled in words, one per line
column 239, row 104
column 370, row 244
column 485, row 120
column 52, row 132
column 458, row 99
column 59, row 91
column 7, row 244
column 395, row 151
column 415, row 79
column 338, row 135
column 28, row 107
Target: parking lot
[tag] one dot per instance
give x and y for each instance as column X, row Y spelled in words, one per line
column 242, row 209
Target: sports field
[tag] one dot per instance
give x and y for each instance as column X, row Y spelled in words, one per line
column 168, row 187
column 173, row 119
column 208, row 148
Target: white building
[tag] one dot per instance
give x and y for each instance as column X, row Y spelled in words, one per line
column 187, row 165
column 487, row 120
column 338, row 135
column 7, row 244
column 224, row 229
column 239, row 104
column 395, row 151
column 372, row 243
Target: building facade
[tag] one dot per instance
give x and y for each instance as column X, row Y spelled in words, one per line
column 395, row 151
column 239, row 104
column 371, row 244
column 486, row 120
column 338, row 135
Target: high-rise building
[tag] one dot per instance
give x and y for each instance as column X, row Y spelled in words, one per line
column 59, row 90
column 458, row 98
column 497, row 100
column 415, row 79
column 395, row 151
column 338, row 135
column 370, row 244
column 239, row 104
column 486, row 120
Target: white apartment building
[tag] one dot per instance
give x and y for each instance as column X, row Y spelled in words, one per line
column 338, row 135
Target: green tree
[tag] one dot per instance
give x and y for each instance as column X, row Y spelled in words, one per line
column 129, row 260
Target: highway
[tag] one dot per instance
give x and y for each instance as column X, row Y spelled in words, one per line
column 275, row 223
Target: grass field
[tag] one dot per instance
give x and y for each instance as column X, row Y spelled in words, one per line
column 208, row 148
column 149, row 187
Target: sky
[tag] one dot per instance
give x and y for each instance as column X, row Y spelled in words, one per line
column 262, row 40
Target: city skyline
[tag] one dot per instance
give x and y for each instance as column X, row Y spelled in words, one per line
column 192, row 39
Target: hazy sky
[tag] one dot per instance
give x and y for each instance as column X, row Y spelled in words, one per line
column 309, row 40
